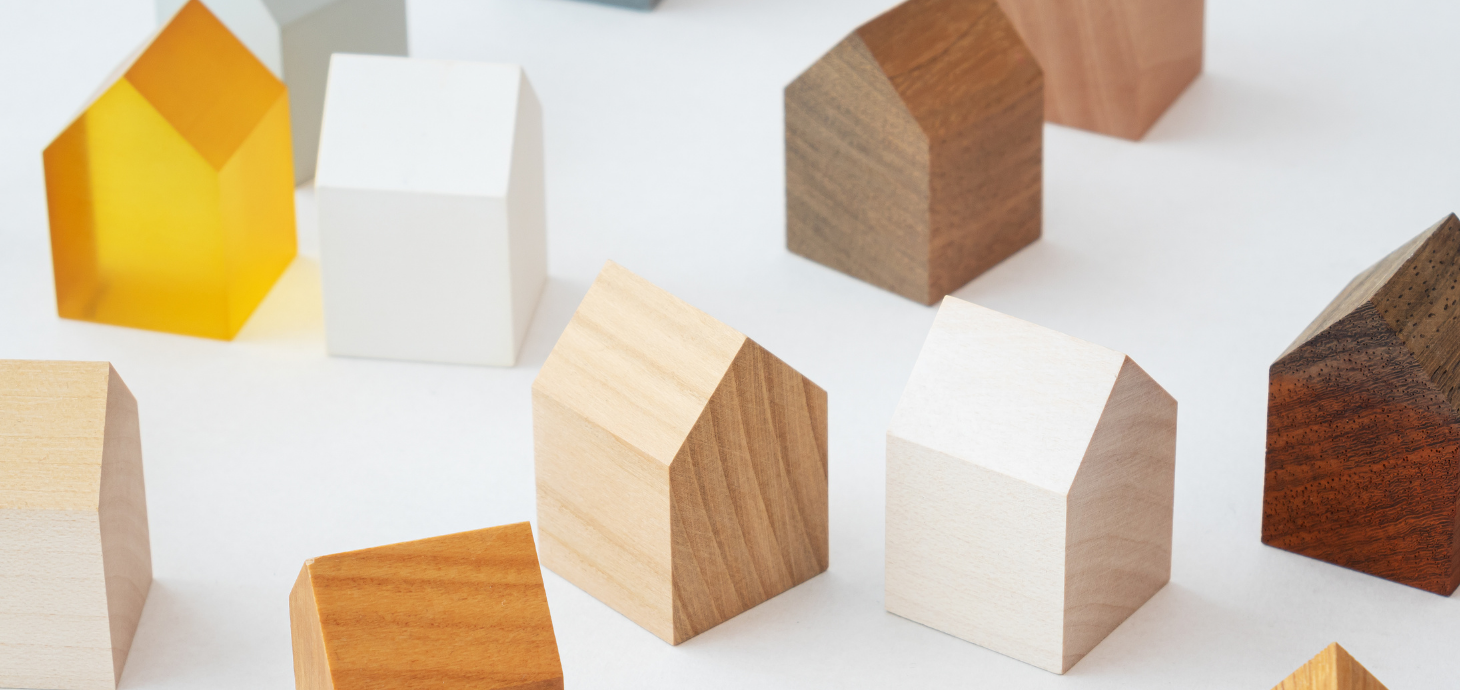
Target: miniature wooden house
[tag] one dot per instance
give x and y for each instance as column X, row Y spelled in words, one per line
column 1030, row 479
column 461, row 611
column 681, row 468
column 75, row 558
column 914, row 149
column 1363, row 434
column 1332, row 669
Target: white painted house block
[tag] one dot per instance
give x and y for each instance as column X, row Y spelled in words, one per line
column 1029, row 488
column 432, row 218
column 295, row 38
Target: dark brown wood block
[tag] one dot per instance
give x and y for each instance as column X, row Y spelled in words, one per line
column 914, row 149
column 1363, row 434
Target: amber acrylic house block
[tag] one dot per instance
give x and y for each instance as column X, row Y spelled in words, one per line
column 461, row 611
column 914, row 149
column 1111, row 66
column 75, row 559
column 1363, row 432
column 681, row 468
column 1332, row 669
column 171, row 196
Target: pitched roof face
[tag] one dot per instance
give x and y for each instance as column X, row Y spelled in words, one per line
column 1006, row 394
column 52, row 429
column 639, row 362
column 950, row 60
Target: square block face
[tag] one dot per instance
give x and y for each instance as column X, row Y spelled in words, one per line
column 461, row 611
column 410, row 125
column 171, row 197
column 975, row 554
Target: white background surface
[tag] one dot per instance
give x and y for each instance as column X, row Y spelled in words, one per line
column 1323, row 135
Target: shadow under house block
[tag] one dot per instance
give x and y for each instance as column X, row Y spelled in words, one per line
column 1111, row 66
column 75, row 560
column 1332, row 669
column 171, row 196
column 432, row 214
column 681, row 468
column 914, row 148
column 631, row 4
column 1030, row 478
column 461, row 611
column 295, row 38
column 1363, row 436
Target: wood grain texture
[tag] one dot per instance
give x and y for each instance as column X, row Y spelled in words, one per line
column 465, row 610
column 75, row 560
column 914, row 148
column 1030, row 478
column 1363, row 441
column 681, row 468
column 1112, row 66
column 1332, row 669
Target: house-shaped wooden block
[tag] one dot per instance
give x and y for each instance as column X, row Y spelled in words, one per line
column 681, row 468
column 1363, row 435
column 1332, row 669
column 1112, row 66
column 432, row 214
column 914, row 149
column 75, row 560
column 295, row 39
column 461, row 611
column 1029, row 488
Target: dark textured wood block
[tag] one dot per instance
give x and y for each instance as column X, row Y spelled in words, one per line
column 1363, row 436
column 914, row 149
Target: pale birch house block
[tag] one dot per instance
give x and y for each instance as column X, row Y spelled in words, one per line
column 681, row 468
column 432, row 215
column 1029, row 488
column 295, row 38
column 75, row 560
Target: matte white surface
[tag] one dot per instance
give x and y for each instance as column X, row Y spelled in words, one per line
column 1322, row 136
column 431, row 223
column 249, row 20
column 1008, row 395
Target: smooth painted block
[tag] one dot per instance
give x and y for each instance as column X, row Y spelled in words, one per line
column 1363, row 429
column 1030, row 478
column 1112, row 66
column 1332, row 669
column 681, row 468
column 295, row 38
column 914, row 149
column 462, row 611
column 432, row 214
column 171, row 195
column 75, row 559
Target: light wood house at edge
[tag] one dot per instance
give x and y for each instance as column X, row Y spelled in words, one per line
column 1332, row 669
column 681, row 468
column 75, row 557
column 914, row 149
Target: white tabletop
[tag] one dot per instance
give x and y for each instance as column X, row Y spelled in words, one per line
column 1322, row 136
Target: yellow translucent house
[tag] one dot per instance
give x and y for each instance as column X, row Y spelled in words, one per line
column 172, row 195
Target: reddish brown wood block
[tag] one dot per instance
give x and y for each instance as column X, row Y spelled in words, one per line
column 914, row 149
column 1363, row 436
column 1111, row 66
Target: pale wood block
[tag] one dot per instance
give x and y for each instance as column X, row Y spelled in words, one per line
column 461, row 611
column 1112, row 66
column 295, row 38
column 1332, row 669
column 432, row 214
column 1030, row 478
column 75, row 560
column 681, row 468
column 914, row 149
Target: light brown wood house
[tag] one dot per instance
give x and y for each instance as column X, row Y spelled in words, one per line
column 681, row 468
column 75, row 559
column 1112, row 66
column 1332, row 669
column 914, row 149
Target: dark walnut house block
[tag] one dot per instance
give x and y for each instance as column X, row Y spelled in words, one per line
column 914, row 149
column 1363, row 437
